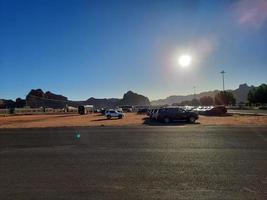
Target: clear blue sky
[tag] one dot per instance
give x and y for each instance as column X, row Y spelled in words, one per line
column 82, row 48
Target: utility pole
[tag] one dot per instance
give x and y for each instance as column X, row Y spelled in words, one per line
column 223, row 72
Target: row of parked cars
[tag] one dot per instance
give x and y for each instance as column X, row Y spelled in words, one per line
column 186, row 113
column 211, row 110
column 169, row 114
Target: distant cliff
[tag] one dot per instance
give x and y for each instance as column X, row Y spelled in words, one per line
column 37, row 98
column 240, row 95
column 134, row 99
column 19, row 103
column 102, row 103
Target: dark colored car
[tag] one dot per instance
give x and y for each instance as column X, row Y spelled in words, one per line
column 168, row 115
column 216, row 110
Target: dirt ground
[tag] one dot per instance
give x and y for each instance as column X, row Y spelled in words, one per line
column 130, row 119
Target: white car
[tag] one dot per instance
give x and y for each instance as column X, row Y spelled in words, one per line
column 114, row 113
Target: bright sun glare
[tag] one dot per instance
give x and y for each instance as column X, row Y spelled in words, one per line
column 184, row 60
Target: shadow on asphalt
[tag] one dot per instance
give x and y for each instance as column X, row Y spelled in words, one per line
column 149, row 122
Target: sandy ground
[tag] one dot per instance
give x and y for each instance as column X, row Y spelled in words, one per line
column 130, row 119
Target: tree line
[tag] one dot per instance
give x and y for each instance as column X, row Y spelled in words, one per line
column 258, row 95
column 221, row 98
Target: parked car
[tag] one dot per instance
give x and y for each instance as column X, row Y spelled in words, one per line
column 114, row 113
column 211, row 110
column 168, row 115
column 188, row 108
column 127, row 108
column 216, row 110
column 202, row 109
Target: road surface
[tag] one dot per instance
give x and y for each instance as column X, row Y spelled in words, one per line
column 193, row 162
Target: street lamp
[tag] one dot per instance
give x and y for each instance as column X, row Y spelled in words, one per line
column 223, row 72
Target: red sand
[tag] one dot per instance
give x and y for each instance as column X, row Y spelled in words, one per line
column 130, row 119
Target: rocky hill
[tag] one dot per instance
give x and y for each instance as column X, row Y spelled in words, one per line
column 134, row 99
column 8, row 103
column 102, row 103
column 240, row 95
column 37, row 98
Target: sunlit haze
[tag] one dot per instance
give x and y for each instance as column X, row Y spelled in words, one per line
column 184, row 60
column 82, row 48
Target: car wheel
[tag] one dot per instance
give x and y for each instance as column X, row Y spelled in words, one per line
column 120, row 116
column 108, row 117
column 166, row 120
column 192, row 119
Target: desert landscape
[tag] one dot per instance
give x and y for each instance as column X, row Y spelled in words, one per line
column 130, row 119
column 133, row 99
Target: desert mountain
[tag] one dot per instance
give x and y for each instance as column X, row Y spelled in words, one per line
column 131, row 98
column 8, row 103
column 37, row 98
column 240, row 95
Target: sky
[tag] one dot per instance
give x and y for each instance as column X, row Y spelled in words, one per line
column 97, row 48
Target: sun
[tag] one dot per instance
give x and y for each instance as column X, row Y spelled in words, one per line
column 184, row 60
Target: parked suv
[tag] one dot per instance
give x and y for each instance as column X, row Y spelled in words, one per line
column 168, row 115
column 114, row 113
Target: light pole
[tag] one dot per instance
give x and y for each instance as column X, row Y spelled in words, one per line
column 223, row 72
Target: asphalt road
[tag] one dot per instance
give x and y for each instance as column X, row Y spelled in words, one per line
column 193, row 162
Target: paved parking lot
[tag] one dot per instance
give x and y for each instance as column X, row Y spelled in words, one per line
column 211, row 162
